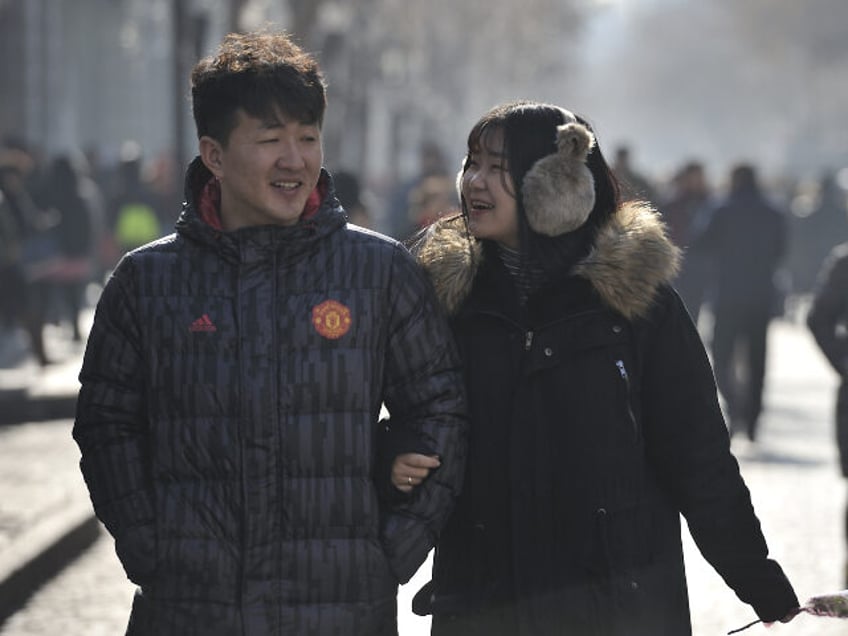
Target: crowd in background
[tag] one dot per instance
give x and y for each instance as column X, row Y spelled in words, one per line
column 814, row 212
column 65, row 220
column 752, row 252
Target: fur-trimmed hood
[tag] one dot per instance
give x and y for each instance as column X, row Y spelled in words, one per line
column 631, row 257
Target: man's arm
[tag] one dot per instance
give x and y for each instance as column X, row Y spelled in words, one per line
column 425, row 396
column 111, row 429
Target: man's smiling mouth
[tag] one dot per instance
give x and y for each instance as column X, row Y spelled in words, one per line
column 286, row 185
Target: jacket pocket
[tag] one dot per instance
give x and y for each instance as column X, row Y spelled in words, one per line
column 382, row 576
column 136, row 549
column 622, row 538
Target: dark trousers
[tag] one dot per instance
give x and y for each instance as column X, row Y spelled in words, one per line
column 739, row 361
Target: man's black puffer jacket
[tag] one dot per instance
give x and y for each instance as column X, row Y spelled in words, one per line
column 228, row 423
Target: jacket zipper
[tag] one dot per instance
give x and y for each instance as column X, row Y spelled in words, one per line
column 528, row 340
column 242, row 574
column 622, row 370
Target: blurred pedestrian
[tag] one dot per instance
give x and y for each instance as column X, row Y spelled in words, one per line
column 828, row 322
column 633, row 185
column 33, row 249
column 349, row 193
column 746, row 238
column 431, row 199
column 234, row 376
column 12, row 282
column 431, row 163
column 685, row 213
column 594, row 418
column 818, row 224
column 135, row 217
column 76, row 198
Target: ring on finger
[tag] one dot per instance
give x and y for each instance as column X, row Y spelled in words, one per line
column 409, row 480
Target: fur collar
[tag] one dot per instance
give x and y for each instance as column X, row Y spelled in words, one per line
column 631, row 258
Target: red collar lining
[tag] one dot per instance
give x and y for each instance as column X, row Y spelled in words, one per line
column 209, row 202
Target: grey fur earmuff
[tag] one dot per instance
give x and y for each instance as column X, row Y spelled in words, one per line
column 559, row 190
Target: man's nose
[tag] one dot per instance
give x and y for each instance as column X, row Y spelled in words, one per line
column 290, row 155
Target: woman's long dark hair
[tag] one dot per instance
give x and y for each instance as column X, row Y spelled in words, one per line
column 529, row 133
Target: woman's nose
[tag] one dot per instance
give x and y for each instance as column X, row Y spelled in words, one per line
column 475, row 180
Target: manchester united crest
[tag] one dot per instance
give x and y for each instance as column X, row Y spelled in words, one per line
column 331, row 319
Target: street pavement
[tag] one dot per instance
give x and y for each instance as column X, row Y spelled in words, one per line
column 791, row 470
column 45, row 514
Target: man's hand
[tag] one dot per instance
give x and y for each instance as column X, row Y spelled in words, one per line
column 410, row 469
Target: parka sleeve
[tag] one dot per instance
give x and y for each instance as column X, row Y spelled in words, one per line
column 111, row 427
column 829, row 312
column 425, row 396
column 689, row 448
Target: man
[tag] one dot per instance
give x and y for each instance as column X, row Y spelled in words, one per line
column 745, row 237
column 634, row 186
column 228, row 416
column 685, row 213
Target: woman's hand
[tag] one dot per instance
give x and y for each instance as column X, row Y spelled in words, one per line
column 410, row 469
column 786, row 618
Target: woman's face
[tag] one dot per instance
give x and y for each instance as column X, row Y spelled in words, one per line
column 489, row 192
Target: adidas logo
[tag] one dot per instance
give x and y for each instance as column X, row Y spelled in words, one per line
column 204, row 323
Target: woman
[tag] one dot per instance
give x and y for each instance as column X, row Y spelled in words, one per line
column 595, row 421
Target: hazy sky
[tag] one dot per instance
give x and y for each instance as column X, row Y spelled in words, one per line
column 682, row 85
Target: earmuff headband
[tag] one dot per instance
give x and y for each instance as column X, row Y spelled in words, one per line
column 559, row 190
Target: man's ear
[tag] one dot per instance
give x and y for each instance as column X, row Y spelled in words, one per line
column 211, row 153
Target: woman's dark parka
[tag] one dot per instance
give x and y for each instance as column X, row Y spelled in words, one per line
column 594, row 425
column 228, row 423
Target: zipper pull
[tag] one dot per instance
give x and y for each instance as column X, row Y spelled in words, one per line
column 623, row 372
column 528, row 340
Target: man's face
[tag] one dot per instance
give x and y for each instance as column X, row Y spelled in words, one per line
column 267, row 170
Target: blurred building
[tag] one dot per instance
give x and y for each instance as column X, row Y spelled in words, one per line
column 89, row 74
column 83, row 72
